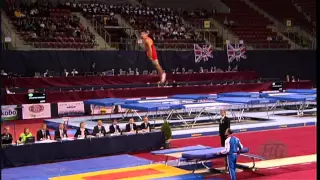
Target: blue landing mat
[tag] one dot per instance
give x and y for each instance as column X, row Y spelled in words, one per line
column 183, row 177
column 45, row 171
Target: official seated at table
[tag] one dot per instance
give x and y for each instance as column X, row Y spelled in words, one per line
column 60, row 132
column 82, row 132
column 145, row 126
column 26, row 134
column 43, row 133
column 6, row 137
column 131, row 126
column 99, row 129
column 114, row 127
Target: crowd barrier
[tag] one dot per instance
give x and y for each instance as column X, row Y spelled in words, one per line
column 271, row 64
column 71, row 81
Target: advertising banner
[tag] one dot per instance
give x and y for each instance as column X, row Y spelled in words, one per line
column 9, row 112
column 70, row 108
column 34, row 111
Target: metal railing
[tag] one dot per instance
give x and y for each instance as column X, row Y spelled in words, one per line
column 145, row 85
column 99, row 28
column 6, row 33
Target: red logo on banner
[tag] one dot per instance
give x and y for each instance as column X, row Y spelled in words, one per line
column 36, row 108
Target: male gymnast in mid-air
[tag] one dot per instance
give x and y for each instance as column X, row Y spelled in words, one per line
column 152, row 55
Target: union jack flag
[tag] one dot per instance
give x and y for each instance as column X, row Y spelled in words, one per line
column 236, row 52
column 202, row 53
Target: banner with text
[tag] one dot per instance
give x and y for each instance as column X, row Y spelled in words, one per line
column 34, row 111
column 9, row 113
column 70, row 108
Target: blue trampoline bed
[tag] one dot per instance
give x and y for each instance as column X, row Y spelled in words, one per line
column 105, row 102
column 156, row 107
column 201, row 154
column 194, row 97
column 248, row 102
column 301, row 101
column 302, row 91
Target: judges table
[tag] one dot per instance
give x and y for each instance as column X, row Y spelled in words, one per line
column 37, row 153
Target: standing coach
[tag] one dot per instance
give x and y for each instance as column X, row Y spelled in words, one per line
column 224, row 124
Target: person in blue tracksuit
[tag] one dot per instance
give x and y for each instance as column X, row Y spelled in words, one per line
column 233, row 147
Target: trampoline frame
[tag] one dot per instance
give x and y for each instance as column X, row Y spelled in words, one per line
column 215, row 170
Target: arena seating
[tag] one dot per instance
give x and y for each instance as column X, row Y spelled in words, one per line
column 164, row 25
column 309, row 8
column 46, row 27
column 283, row 10
column 250, row 26
column 104, row 14
column 172, row 36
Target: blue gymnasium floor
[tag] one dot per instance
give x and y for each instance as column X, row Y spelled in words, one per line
column 80, row 169
column 46, row 171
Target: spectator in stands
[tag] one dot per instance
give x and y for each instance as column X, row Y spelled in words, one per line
column 43, row 134
column 34, row 12
column 81, row 132
column 288, row 78
column 74, row 72
column 33, row 36
column 177, row 70
column 93, row 67
column 41, row 25
column 8, row 90
column 131, row 126
column 18, row 13
column 201, row 70
column 114, row 127
column 136, row 71
column 132, row 21
column 145, row 126
column 65, row 73
column 6, row 137
column 226, row 22
column 99, row 129
column 235, row 69
column 60, row 132
column 183, row 71
column 214, row 10
column 3, row 73
column 269, row 38
column 293, row 79
column 231, row 23
column 26, row 134
column 46, row 73
column 121, row 72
